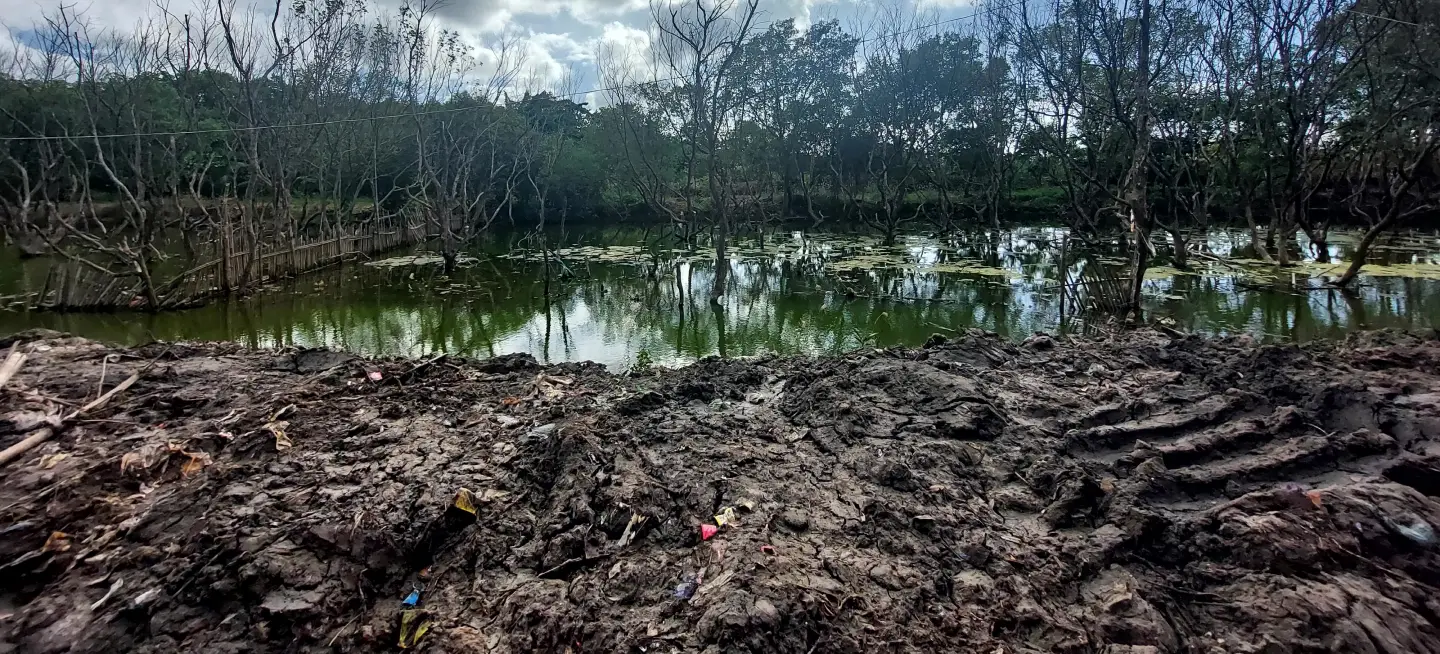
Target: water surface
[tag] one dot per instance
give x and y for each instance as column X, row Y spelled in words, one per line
column 618, row 295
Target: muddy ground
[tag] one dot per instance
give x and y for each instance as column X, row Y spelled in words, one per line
column 1144, row 493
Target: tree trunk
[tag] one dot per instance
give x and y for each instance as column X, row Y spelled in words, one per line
column 1361, row 252
column 1136, row 182
column 1255, row 240
column 147, row 285
column 1282, row 246
column 1179, row 257
column 892, row 222
column 1318, row 244
column 722, row 262
column 447, row 244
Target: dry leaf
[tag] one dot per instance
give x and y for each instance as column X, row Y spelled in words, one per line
column 414, row 624
column 490, row 495
column 545, row 385
column 144, row 457
column 197, row 462
column 58, row 541
column 47, row 462
column 282, row 442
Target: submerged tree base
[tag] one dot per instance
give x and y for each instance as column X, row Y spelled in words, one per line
column 1138, row 494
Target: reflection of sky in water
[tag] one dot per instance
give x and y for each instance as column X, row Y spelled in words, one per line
column 797, row 295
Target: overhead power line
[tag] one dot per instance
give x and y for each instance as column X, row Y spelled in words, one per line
column 1393, row 20
column 432, row 112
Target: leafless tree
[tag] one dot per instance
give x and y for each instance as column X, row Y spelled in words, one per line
column 699, row 44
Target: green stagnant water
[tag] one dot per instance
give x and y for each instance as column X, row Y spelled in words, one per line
column 616, row 297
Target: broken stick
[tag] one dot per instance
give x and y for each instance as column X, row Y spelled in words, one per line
column 15, row 451
column 12, row 364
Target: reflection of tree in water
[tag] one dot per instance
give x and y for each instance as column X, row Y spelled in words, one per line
column 790, row 298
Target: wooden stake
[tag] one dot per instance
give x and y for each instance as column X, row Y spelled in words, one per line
column 15, row 451
column 12, row 364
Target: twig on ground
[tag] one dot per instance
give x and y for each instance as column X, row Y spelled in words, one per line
column 12, row 364
column 15, row 451
column 423, row 365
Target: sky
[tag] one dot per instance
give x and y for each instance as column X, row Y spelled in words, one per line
column 560, row 39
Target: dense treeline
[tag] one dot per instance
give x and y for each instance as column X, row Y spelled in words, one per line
column 1153, row 117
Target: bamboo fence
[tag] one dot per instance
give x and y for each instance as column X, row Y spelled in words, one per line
column 74, row 286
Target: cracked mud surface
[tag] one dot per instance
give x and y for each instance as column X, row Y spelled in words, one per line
column 1140, row 494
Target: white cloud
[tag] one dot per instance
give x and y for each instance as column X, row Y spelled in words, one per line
column 946, row 4
column 555, row 38
column 497, row 15
column 549, row 60
column 623, row 56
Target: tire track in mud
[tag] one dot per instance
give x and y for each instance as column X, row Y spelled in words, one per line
column 1142, row 494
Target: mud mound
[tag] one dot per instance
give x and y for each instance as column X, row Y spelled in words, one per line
column 1141, row 494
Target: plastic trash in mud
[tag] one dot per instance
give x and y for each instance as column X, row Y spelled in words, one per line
column 632, row 530
column 725, row 517
column 1414, row 528
column 708, row 531
column 413, row 599
column 414, row 624
column 686, row 589
column 465, row 501
column 375, row 375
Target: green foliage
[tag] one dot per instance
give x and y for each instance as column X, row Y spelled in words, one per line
column 950, row 125
column 643, row 362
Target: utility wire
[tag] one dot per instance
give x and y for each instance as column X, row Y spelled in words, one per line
column 1393, row 20
column 432, row 112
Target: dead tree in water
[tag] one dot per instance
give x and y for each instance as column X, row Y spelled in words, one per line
column 133, row 166
column 1396, row 151
column 700, row 41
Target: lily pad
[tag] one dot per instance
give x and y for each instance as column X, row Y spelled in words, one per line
column 1411, row 270
column 969, row 269
column 1165, row 272
column 422, row 259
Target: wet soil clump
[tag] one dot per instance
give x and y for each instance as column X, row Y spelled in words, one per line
column 1139, row 494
